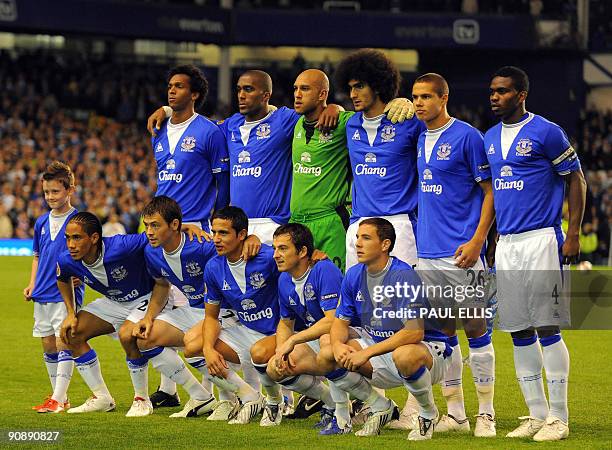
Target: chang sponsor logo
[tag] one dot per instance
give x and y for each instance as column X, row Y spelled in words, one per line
column 134, row 294
column 305, row 170
column 259, row 315
column 239, row 171
column 164, row 175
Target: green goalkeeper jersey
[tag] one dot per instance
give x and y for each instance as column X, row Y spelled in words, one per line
column 320, row 169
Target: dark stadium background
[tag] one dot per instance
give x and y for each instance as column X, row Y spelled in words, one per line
column 79, row 78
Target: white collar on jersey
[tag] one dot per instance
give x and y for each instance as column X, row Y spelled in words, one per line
column 444, row 127
column 182, row 124
column 255, row 122
column 518, row 124
column 303, row 277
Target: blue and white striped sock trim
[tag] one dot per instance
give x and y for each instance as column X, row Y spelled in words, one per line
column 64, row 355
column 137, row 363
column 416, row 375
column 479, row 342
column 86, row 358
column 524, row 342
column 50, row 357
column 151, row 352
column 550, row 340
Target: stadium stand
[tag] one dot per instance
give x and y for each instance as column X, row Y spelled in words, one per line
column 92, row 113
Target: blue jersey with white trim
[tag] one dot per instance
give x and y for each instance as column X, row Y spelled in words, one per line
column 189, row 276
column 528, row 184
column 382, row 318
column 256, row 302
column 306, row 302
column 124, row 277
column 451, row 162
column 47, row 245
column 185, row 172
column 260, row 160
column 383, row 162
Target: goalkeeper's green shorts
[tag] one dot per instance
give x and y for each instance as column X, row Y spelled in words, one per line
column 329, row 235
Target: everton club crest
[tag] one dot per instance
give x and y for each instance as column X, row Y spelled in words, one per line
column 388, row 133
column 188, row 144
column 443, row 152
column 523, row 147
column 257, row 280
column 263, row 131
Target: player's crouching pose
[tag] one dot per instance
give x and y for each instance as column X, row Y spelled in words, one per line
column 308, row 296
column 250, row 289
column 172, row 258
column 114, row 267
column 531, row 161
column 396, row 347
column 49, row 309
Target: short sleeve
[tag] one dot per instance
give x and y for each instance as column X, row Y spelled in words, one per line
column 63, row 272
column 36, row 240
column 559, row 151
column 213, row 294
column 330, row 285
column 286, row 312
column 346, row 305
column 476, row 156
column 216, row 151
column 152, row 266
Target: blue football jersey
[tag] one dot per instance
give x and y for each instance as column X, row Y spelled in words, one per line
column 49, row 242
column 382, row 319
column 253, row 294
column 124, row 277
column 260, row 160
column 305, row 301
column 184, row 268
column 185, row 172
column 383, row 162
column 528, row 184
column 451, row 162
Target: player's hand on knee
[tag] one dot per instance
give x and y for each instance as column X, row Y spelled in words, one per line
column 399, row 109
column 156, row 119
column 217, row 366
column 142, row 329
column 282, row 353
column 341, row 352
column 355, row 360
column 69, row 328
column 252, row 245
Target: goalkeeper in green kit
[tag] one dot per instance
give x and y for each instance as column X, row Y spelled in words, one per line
column 321, row 169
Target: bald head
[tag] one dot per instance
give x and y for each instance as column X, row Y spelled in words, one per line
column 259, row 79
column 310, row 92
column 315, row 78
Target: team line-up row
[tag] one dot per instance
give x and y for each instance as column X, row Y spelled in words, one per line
column 278, row 166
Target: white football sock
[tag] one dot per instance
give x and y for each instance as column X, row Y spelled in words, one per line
column 312, row 387
column 482, row 363
column 271, row 387
column 139, row 373
column 170, row 364
column 452, row 384
column 88, row 366
column 167, row 385
column 65, row 366
column 51, row 365
column 342, row 402
column 557, row 366
column 419, row 385
column 528, row 366
column 359, row 387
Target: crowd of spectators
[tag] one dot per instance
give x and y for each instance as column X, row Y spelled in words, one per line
column 54, row 108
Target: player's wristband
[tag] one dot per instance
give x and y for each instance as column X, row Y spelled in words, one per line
column 167, row 111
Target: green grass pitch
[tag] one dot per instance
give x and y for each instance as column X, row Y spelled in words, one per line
column 25, row 383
